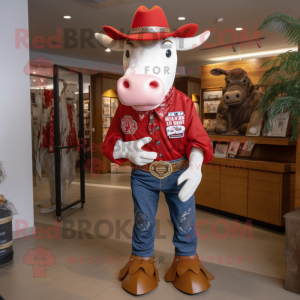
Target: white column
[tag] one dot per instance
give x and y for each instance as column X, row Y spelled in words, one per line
column 15, row 113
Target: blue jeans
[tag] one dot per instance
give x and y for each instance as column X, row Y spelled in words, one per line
column 145, row 192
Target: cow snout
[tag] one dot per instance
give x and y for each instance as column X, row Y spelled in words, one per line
column 142, row 92
column 232, row 97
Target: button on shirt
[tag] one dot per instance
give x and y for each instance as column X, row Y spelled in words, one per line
column 176, row 133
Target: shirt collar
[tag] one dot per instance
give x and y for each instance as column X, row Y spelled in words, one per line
column 163, row 108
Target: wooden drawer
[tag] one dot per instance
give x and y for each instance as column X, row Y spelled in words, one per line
column 233, row 192
column 208, row 192
column 264, row 196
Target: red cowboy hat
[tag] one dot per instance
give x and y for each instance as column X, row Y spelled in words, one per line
column 150, row 25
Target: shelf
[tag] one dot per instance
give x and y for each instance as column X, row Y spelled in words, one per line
column 214, row 99
column 254, row 164
column 263, row 140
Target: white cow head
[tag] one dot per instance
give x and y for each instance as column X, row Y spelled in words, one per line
column 69, row 93
column 150, row 67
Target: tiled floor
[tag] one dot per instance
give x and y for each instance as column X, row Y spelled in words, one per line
column 90, row 249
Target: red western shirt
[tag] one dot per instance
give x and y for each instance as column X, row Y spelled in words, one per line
column 176, row 131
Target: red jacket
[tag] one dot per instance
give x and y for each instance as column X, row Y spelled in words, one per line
column 175, row 133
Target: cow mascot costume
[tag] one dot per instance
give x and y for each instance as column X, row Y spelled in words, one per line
column 157, row 128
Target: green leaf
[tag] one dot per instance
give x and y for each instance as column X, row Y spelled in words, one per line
column 285, row 25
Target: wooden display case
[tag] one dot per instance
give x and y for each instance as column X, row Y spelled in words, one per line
column 262, row 188
column 208, row 116
column 110, row 103
column 192, row 88
column 100, row 83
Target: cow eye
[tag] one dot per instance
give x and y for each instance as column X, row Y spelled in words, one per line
column 127, row 54
column 168, row 53
column 244, row 81
column 228, row 81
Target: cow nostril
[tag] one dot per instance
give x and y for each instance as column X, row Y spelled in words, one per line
column 238, row 95
column 153, row 84
column 126, row 84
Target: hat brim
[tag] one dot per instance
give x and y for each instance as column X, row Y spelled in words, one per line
column 185, row 31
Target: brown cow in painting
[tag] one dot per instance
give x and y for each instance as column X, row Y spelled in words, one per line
column 240, row 99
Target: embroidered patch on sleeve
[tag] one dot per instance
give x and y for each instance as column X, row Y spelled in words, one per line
column 128, row 125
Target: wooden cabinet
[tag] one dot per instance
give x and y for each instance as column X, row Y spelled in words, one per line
column 270, row 196
column 208, row 192
column 234, row 189
column 255, row 194
column 100, row 83
column 264, row 196
column 264, row 187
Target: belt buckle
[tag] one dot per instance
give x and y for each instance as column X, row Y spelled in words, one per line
column 161, row 169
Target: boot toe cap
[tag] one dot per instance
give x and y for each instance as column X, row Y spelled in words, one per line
column 139, row 283
column 192, row 283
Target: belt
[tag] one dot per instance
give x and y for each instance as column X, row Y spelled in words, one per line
column 161, row 169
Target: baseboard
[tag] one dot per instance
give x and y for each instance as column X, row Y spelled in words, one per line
column 242, row 219
column 24, row 232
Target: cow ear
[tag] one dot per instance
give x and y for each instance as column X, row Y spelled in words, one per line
column 184, row 44
column 218, row 72
column 106, row 41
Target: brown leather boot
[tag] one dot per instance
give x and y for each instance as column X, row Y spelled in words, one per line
column 188, row 275
column 140, row 275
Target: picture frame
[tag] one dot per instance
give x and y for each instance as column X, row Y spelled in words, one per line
column 221, row 150
column 255, row 125
column 113, row 112
column 105, row 130
column 105, row 101
column 233, row 148
column 106, row 122
column 279, row 125
column 114, row 102
column 211, row 106
column 210, row 95
column 106, row 112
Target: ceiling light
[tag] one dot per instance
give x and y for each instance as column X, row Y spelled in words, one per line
column 108, row 50
column 260, row 53
column 259, row 45
column 76, row 92
column 67, row 17
column 219, row 20
column 234, row 48
column 239, row 29
column 181, row 18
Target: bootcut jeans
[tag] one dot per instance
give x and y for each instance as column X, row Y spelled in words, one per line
column 145, row 193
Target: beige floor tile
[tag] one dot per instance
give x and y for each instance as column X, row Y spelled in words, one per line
column 93, row 274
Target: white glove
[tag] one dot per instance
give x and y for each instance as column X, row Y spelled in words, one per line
column 192, row 175
column 133, row 151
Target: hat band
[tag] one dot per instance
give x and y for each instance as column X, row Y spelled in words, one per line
column 149, row 29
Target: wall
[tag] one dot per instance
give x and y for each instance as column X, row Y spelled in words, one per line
column 15, row 119
column 251, row 66
column 82, row 64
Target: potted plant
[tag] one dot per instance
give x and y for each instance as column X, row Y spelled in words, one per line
column 283, row 75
